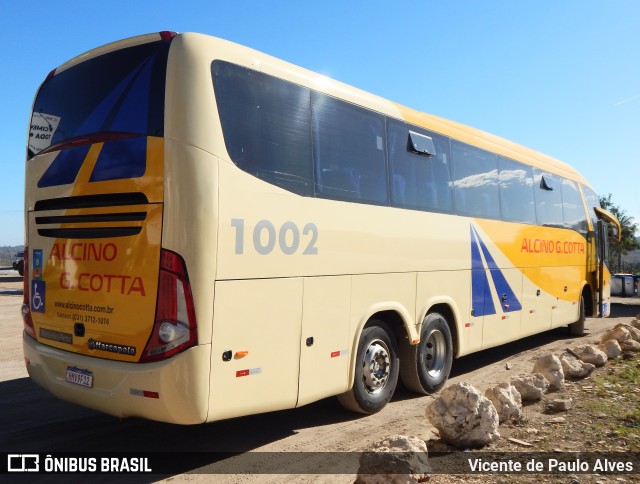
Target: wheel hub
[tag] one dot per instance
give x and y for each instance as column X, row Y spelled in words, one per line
column 376, row 366
column 435, row 353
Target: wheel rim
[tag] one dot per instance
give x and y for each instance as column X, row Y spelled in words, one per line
column 435, row 354
column 376, row 366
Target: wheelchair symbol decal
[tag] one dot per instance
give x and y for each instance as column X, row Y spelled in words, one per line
column 37, row 296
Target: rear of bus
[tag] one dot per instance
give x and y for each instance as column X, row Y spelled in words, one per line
column 109, row 314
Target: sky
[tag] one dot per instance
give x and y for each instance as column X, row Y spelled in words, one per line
column 559, row 76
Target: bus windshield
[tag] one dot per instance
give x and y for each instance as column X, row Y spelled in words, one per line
column 121, row 92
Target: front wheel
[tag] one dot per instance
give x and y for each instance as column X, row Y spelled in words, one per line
column 376, row 372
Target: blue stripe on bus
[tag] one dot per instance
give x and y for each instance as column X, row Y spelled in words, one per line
column 65, row 167
column 124, row 158
column 481, row 292
column 511, row 302
column 481, row 300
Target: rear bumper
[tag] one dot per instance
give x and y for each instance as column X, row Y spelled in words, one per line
column 175, row 390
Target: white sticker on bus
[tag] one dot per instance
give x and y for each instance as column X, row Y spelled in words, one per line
column 41, row 130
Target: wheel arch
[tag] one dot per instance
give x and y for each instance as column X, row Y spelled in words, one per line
column 589, row 300
column 447, row 307
column 399, row 321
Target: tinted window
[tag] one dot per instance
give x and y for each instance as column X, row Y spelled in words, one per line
column 117, row 92
column 348, row 151
column 516, row 191
column 575, row 216
column 418, row 181
column 592, row 201
column 548, row 192
column 475, row 184
column 266, row 124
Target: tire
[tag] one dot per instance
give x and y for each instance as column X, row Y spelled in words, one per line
column 577, row 328
column 21, row 268
column 376, row 372
column 433, row 355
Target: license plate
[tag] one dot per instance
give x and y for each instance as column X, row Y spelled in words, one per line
column 80, row 377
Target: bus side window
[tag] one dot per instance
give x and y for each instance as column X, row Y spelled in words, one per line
column 548, row 199
column 575, row 216
column 266, row 126
column 418, row 181
column 348, row 151
column 475, row 181
column 516, row 191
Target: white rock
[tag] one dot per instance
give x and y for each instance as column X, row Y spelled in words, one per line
column 630, row 345
column 398, row 459
column 591, row 354
column 463, row 416
column 507, row 400
column 611, row 347
column 531, row 387
column 635, row 332
column 618, row 333
column 575, row 368
column 557, row 420
column 559, row 404
column 551, row 368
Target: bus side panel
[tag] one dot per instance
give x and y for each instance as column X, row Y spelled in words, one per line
column 451, row 288
column 504, row 325
column 255, row 347
column 567, row 281
column 324, row 361
column 372, row 293
column 536, row 303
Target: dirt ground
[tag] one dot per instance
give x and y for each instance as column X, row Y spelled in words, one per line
column 316, row 435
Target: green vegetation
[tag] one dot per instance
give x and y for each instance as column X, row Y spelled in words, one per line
column 618, row 403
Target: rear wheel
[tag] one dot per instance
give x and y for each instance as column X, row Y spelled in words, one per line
column 376, row 372
column 432, row 357
column 577, row 328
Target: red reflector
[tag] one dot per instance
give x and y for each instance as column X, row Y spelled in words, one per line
column 335, row 354
column 167, row 35
column 467, row 325
column 240, row 373
column 147, row 394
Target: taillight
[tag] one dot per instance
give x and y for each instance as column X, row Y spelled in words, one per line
column 26, row 308
column 174, row 329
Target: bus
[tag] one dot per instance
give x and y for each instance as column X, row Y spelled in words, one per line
column 213, row 232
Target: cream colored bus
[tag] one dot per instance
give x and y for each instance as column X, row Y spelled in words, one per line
column 213, row 232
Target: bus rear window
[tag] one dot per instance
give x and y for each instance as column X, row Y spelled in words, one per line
column 120, row 92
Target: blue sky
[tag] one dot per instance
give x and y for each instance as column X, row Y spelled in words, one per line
column 562, row 77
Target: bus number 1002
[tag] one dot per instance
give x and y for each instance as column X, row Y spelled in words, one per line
column 287, row 237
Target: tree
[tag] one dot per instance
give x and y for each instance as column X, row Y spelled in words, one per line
column 628, row 230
